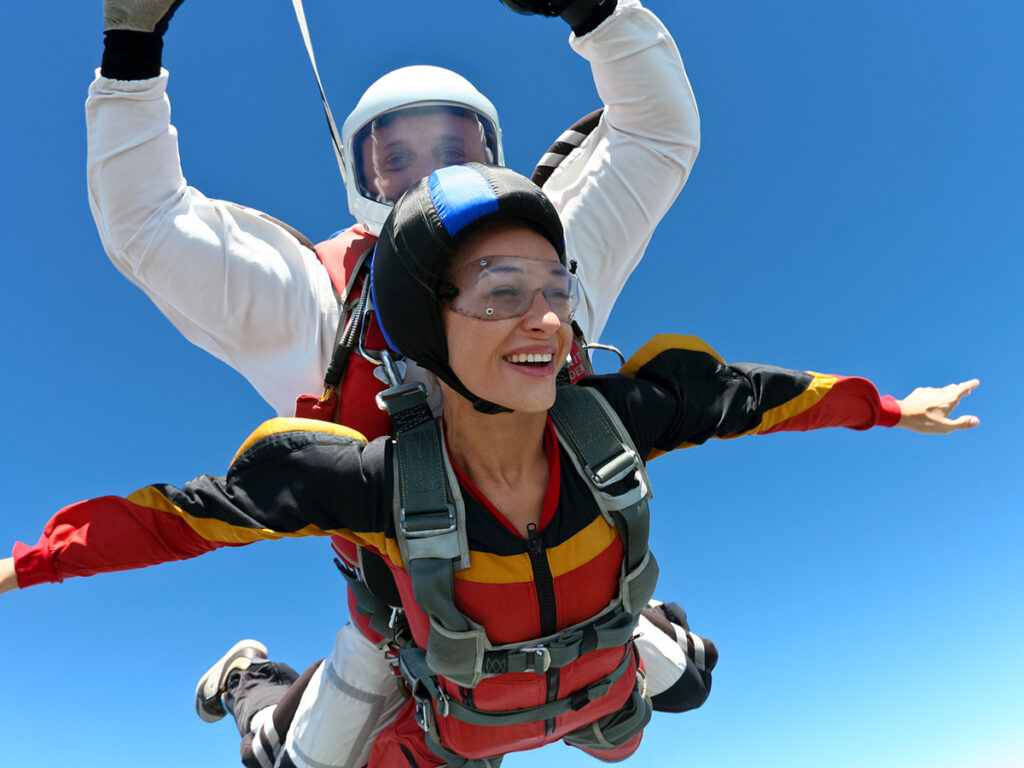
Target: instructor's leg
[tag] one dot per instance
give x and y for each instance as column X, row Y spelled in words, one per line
column 677, row 662
column 350, row 699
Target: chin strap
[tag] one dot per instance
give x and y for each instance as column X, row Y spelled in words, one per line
column 339, row 153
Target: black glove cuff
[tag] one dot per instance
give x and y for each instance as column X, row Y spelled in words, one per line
column 585, row 15
column 130, row 55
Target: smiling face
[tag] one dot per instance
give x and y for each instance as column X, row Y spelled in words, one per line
column 512, row 361
column 401, row 151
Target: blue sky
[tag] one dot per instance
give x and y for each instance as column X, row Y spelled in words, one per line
column 856, row 208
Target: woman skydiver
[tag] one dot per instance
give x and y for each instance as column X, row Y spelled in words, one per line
column 511, row 528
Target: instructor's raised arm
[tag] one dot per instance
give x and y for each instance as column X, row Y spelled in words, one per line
column 614, row 190
column 233, row 281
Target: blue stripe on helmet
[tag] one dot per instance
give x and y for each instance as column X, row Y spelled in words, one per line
column 461, row 195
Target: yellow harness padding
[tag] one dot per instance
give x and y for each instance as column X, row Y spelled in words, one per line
column 284, row 424
column 662, row 343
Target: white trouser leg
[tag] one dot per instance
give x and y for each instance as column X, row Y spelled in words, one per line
column 350, row 699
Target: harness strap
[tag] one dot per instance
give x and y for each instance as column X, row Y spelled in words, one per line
column 414, row 664
column 384, row 619
column 608, row 458
column 613, row 629
column 430, row 536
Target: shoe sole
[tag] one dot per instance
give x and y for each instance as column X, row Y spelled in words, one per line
column 211, row 685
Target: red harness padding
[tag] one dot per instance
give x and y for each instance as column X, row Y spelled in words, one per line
column 343, row 257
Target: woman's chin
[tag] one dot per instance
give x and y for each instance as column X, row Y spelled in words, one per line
column 536, row 398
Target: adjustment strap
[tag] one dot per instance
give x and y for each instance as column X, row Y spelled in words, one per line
column 612, row 630
column 447, row 706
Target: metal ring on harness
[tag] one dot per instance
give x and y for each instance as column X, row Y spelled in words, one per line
column 607, row 348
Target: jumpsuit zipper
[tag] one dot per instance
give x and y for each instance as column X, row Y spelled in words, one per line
column 545, row 587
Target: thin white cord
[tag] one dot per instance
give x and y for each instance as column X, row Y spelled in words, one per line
column 300, row 14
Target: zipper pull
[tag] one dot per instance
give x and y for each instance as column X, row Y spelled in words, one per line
column 533, row 543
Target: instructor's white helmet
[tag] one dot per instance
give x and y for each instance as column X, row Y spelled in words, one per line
column 418, row 92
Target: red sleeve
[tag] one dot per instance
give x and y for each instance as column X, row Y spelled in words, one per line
column 850, row 402
column 103, row 535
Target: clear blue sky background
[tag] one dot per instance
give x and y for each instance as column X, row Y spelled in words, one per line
column 856, row 208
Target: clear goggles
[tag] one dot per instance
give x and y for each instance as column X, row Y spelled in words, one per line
column 407, row 144
column 501, row 287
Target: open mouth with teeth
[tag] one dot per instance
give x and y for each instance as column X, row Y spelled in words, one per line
column 536, row 360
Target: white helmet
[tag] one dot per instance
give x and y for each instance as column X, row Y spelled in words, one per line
column 413, row 91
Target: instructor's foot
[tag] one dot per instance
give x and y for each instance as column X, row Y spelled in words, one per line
column 212, row 685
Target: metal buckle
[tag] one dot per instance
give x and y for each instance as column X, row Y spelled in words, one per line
column 615, row 469
column 383, row 397
column 366, row 354
column 410, row 534
column 444, row 700
column 541, row 658
column 423, row 714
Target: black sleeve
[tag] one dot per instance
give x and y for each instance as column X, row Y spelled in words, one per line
column 678, row 392
column 295, row 482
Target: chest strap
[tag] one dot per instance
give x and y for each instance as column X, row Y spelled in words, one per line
column 414, row 667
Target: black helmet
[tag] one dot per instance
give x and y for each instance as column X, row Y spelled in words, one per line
column 420, row 237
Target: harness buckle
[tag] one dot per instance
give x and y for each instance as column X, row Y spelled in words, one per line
column 423, row 714
column 385, row 396
column 541, row 658
column 614, row 469
column 423, row 523
column 442, row 710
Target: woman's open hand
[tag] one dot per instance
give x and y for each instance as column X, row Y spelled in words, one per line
column 926, row 409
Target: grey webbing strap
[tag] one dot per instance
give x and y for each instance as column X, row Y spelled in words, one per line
column 427, row 520
column 610, row 631
column 415, row 664
column 608, row 457
column 593, row 436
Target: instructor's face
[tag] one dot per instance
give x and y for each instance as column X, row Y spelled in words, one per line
column 401, row 153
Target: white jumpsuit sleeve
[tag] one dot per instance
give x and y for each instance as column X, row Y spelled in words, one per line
column 614, row 189
column 233, row 282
